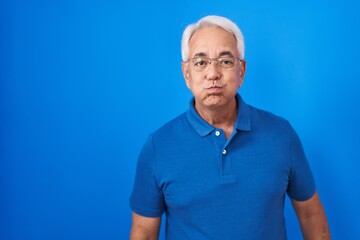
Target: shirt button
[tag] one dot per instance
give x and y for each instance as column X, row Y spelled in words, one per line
column 224, row 152
column 217, row 133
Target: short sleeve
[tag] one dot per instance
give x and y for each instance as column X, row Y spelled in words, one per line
column 301, row 184
column 146, row 198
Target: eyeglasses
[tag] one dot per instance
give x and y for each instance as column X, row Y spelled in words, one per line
column 203, row 63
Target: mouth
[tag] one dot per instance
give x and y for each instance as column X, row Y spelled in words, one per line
column 214, row 90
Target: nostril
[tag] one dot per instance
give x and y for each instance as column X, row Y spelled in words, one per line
column 212, row 76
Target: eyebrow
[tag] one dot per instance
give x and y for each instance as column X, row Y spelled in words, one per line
column 222, row 54
column 226, row 53
column 200, row 54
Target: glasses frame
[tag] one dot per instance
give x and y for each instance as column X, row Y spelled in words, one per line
column 215, row 60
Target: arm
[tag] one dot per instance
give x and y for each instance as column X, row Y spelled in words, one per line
column 144, row 228
column 312, row 218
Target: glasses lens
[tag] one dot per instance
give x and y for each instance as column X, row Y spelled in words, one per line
column 227, row 62
column 200, row 63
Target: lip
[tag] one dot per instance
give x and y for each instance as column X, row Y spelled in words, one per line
column 214, row 90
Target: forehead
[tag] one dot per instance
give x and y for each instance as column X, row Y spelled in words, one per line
column 212, row 41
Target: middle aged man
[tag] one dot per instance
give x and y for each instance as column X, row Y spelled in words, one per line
column 222, row 169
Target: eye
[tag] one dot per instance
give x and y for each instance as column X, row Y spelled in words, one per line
column 226, row 62
column 199, row 62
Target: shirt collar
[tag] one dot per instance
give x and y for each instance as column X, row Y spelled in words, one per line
column 203, row 128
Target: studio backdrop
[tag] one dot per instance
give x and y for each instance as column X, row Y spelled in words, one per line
column 83, row 83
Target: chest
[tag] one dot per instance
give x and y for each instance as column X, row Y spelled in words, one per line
column 193, row 175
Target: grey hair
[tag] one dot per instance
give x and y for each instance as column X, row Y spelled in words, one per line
column 210, row 21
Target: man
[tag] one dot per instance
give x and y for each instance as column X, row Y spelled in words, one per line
column 222, row 169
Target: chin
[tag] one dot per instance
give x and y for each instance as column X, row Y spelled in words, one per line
column 214, row 100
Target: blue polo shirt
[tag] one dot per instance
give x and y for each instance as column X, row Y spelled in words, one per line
column 211, row 187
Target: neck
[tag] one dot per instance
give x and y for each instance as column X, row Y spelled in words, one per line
column 223, row 117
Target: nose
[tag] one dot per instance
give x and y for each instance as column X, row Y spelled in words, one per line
column 213, row 72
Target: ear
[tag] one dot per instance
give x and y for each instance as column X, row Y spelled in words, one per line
column 185, row 72
column 242, row 72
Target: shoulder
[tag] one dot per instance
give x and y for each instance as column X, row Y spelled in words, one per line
column 161, row 137
column 270, row 124
column 172, row 127
column 265, row 117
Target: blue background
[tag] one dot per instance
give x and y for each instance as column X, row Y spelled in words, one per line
column 84, row 82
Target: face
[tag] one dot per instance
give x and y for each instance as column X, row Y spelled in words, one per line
column 214, row 86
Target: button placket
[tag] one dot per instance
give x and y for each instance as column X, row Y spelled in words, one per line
column 224, row 160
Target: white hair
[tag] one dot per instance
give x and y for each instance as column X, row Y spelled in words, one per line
column 210, row 21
